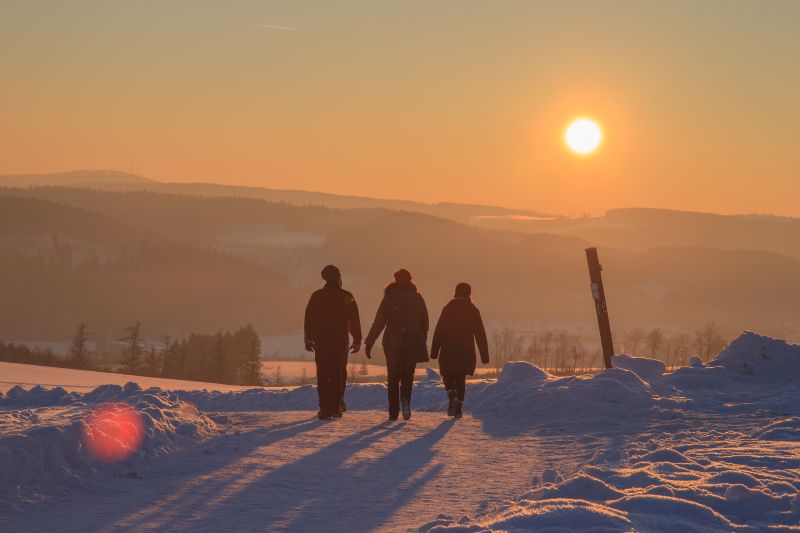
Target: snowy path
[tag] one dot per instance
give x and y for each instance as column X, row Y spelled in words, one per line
column 704, row 448
column 288, row 471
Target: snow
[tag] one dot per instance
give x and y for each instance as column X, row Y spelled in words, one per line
column 38, row 449
column 756, row 355
column 641, row 366
column 710, row 447
column 13, row 374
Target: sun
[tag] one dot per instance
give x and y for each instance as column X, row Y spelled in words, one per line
column 583, row 136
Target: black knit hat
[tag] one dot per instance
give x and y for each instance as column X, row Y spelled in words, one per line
column 331, row 274
column 463, row 290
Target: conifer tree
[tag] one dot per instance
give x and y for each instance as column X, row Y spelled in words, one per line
column 79, row 353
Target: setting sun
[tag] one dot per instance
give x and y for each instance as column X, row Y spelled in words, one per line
column 583, row 136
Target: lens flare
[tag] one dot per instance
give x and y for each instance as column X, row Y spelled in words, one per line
column 113, row 432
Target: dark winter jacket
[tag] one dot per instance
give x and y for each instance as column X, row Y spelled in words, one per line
column 331, row 316
column 460, row 326
column 404, row 315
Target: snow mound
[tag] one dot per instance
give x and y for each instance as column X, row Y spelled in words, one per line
column 641, row 366
column 522, row 389
column 36, row 454
column 521, row 372
column 757, row 355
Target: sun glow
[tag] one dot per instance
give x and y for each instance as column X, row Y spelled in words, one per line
column 583, row 136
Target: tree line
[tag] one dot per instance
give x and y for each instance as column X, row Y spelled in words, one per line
column 224, row 357
column 563, row 352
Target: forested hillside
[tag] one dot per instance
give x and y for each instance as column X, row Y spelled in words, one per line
column 188, row 263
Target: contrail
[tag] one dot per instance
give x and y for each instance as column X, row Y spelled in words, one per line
column 272, row 27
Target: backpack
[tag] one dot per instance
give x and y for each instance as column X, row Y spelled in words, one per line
column 404, row 314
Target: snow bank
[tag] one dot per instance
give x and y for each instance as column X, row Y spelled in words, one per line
column 39, row 448
column 521, row 388
column 757, row 355
column 641, row 366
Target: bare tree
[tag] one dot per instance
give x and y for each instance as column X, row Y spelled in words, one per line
column 547, row 343
column 654, row 340
column 277, row 376
column 708, row 341
column 632, row 340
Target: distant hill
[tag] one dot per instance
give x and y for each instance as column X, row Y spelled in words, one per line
column 466, row 213
column 75, row 178
column 61, row 265
column 642, row 229
column 518, row 278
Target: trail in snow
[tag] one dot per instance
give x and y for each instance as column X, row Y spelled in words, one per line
column 711, row 447
column 289, row 471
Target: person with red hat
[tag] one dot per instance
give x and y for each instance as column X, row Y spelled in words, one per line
column 404, row 316
column 331, row 318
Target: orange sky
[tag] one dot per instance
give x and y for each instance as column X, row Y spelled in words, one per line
column 433, row 101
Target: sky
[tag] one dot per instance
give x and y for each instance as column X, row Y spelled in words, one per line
column 459, row 100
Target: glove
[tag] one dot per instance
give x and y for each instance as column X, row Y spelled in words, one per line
column 368, row 351
column 434, row 355
column 309, row 345
column 485, row 360
column 355, row 347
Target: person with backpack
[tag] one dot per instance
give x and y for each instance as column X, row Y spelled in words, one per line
column 331, row 318
column 403, row 314
column 459, row 328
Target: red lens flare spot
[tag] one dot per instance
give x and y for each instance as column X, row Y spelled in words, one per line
column 113, row 432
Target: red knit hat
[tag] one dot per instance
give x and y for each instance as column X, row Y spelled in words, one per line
column 402, row 276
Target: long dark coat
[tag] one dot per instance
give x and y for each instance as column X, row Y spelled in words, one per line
column 404, row 315
column 331, row 317
column 459, row 328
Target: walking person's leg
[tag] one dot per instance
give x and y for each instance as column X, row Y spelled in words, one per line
column 407, row 368
column 393, row 381
column 342, row 405
column 322, row 361
column 451, row 386
column 460, row 386
column 335, row 392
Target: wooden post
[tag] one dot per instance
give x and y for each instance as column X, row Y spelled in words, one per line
column 599, row 296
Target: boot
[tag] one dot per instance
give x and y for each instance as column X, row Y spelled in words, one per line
column 458, row 413
column 452, row 396
column 406, row 406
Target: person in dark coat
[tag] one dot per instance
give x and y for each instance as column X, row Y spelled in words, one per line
column 459, row 328
column 403, row 314
column 331, row 319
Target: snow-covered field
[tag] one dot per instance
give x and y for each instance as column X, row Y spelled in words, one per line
column 13, row 374
column 711, row 447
